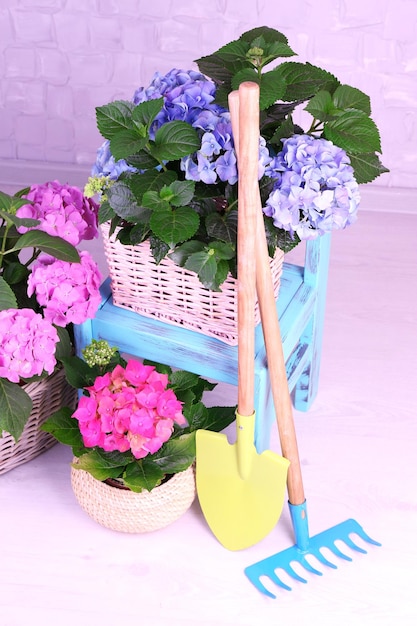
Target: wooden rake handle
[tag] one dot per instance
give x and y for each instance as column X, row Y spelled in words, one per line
column 271, row 331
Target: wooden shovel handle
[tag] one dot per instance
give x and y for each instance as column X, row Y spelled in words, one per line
column 272, row 334
column 247, row 219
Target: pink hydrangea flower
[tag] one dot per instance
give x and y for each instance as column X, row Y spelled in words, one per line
column 129, row 409
column 27, row 344
column 69, row 292
column 63, row 211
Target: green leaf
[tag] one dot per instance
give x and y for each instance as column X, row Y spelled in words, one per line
column 283, row 131
column 152, row 180
column 152, row 200
column 105, row 213
column 183, row 192
column 159, row 248
column 269, row 34
column 222, row 250
column 176, row 454
column 114, row 117
column 346, row 97
column 7, row 296
column 65, row 429
column 28, row 222
column 182, row 252
column 55, row 246
column 205, row 265
column 122, row 201
column 211, row 418
column 222, row 228
column 273, row 88
column 174, row 226
column 174, row 140
column 143, row 474
column 183, row 380
column 223, row 269
column 142, row 160
column 246, row 74
column 10, row 204
column 355, row 132
column 15, row 273
column 64, row 345
column 145, row 112
column 15, row 408
column 77, row 372
column 305, row 80
column 321, row 106
column 367, row 167
column 125, row 143
column 102, row 465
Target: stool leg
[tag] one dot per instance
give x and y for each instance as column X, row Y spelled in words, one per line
column 315, row 274
column 265, row 411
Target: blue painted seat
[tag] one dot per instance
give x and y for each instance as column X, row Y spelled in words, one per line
column 300, row 305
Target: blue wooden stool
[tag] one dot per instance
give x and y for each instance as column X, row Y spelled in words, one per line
column 300, row 305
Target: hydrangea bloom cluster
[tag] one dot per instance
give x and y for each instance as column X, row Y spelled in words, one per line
column 188, row 97
column 315, row 190
column 69, row 292
column 129, row 408
column 27, row 344
column 63, row 211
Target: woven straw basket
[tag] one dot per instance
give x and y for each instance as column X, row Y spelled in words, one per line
column 130, row 512
column 48, row 395
column 174, row 294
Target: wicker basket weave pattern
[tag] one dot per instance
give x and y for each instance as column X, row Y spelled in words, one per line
column 48, row 395
column 129, row 512
column 172, row 293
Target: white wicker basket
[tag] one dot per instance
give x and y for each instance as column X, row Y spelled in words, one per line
column 173, row 294
column 130, row 512
column 48, row 395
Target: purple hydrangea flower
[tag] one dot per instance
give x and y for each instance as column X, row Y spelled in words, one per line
column 27, row 344
column 69, row 292
column 63, row 211
column 315, row 190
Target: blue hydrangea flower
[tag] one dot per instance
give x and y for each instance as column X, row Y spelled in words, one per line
column 315, row 190
column 106, row 165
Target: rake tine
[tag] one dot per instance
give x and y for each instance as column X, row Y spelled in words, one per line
column 305, row 563
column 339, row 553
column 348, row 541
column 319, row 556
column 291, row 572
column 275, row 579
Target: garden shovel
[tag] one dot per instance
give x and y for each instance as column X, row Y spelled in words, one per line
column 241, row 492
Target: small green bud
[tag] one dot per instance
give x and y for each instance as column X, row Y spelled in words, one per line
column 98, row 352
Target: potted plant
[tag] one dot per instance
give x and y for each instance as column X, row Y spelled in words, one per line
column 45, row 286
column 167, row 172
column 133, row 437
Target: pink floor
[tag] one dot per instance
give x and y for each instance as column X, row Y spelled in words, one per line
column 358, row 449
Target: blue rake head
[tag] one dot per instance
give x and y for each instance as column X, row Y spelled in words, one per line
column 283, row 560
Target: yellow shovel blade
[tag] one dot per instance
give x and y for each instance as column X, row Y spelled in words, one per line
column 240, row 509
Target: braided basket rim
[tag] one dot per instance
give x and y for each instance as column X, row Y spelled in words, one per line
column 126, row 511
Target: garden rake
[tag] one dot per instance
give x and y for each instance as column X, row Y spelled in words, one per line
column 305, row 545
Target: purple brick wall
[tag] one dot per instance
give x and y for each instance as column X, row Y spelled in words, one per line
column 59, row 59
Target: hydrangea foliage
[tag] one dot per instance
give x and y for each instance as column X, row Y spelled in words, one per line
column 168, row 166
column 135, row 421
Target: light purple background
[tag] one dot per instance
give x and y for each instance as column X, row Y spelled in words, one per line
column 59, row 59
